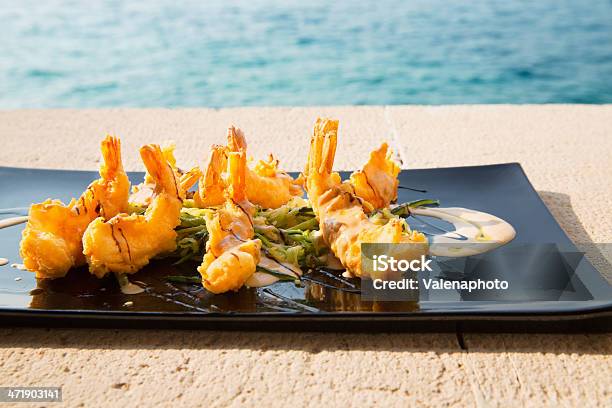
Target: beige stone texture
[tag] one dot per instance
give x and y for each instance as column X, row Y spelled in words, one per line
column 566, row 151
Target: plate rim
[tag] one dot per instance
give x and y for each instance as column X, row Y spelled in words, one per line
column 590, row 309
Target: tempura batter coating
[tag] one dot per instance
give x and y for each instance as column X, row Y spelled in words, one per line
column 342, row 220
column 231, row 252
column 51, row 242
column 266, row 185
column 126, row 243
column 376, row 183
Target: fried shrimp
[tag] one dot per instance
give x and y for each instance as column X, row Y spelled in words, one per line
column 212, row 186
column 51, row 242
column 376, row 183
column 342, row 220
column 231, row 252
column 266, row 185
column 126, row 243
column 143, row 193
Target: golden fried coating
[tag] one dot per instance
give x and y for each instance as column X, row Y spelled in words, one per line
column 143, row 193
column 266, row 185
column 376, row 183
column 51, row 242
column 342, row 220
column 126, row 243
column 231, row 252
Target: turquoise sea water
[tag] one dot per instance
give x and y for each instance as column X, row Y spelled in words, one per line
column 221, row 53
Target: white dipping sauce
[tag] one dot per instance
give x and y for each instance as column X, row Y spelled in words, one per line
column 259, row 279
column 131, row 289
column 3, row 261
column 478, row 232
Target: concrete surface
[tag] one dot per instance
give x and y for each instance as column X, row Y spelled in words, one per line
column 565, row 150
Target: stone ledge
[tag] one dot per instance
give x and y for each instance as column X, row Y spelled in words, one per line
column 565, row 150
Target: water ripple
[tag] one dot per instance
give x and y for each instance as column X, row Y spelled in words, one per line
column 61, row 53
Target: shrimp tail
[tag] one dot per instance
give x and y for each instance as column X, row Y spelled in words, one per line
column 328, row 130
column 111, row 156
column 212, row 186
column 236, row 140
column 322, row 147
column 168, row 151
column 160, row 170
column 237, row 169
column 318, row 176
column 216, row 165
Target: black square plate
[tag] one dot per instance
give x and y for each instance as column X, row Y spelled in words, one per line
column 582, row 302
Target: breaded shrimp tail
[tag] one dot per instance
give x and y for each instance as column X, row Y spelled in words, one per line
column 342, row 219
column 266, row 185
column 212, row 185
column 126, row 243
column 231, row 253
column 51, row 242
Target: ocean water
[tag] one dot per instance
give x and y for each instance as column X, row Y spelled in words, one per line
column 264, row 53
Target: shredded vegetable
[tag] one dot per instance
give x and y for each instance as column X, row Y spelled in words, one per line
column 289, row 234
